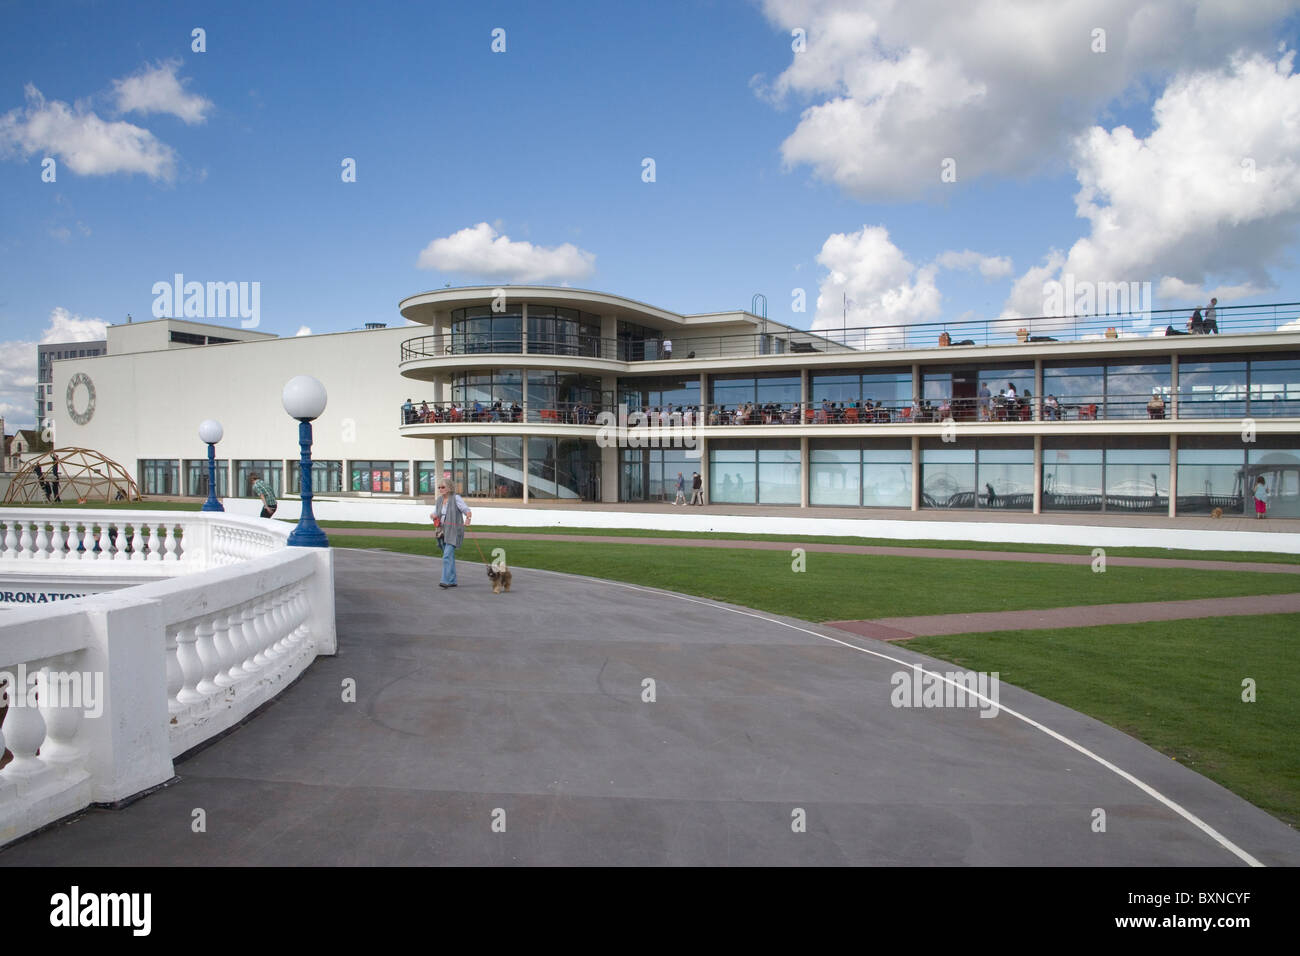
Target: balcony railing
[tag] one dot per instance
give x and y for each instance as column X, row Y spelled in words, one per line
column 997, row 409
column 1131, row 324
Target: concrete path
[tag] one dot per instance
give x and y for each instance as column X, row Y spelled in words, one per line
column 812, row 544
column 532, row 710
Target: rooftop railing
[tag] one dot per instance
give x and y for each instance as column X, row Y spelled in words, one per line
column 1117, row 325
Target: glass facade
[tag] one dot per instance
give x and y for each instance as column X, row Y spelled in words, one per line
column 995, row 473
column 1107, row 474
column 960, row 387
column 479, row 329
column 484, row 466
column 672, row 391
column 558, row 331
column 486, row 389
column 272, row 471
column 557, row 396
column 326, row 477
column 650, row 474
column 730, row 391
column 1212, row 389
column 196, row 478
column 426, row 477
column 379, row 477
column 850, row 472
column 1116, row 389
column 565, row 468
column 159, row 476
column 891, row 388
column 764, row 472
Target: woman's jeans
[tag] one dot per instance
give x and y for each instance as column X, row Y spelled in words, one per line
column 448, row 564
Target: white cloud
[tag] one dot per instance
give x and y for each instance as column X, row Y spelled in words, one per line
column 303, row 330
column 156, row 89
column 66, row 327
column 1205, row 205
column 999, row 86
column 18, row 364
column 882, row 286
column 82, row 141
column 990, row 267
column 481, row 251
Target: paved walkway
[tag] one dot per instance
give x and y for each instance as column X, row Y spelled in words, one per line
column 531, row 709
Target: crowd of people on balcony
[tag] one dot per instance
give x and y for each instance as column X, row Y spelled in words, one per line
column 571, row 413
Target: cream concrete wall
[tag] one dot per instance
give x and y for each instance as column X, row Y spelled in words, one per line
column 154, row 335
column 149, row 405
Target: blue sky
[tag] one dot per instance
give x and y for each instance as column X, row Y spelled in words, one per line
column 224, row 165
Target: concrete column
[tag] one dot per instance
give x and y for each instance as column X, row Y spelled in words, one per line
column 704, row 469
column 805, row 467
column 1173, row 378
column 1173, row 475
column 610, row 475
column 1038, row 391
column 916, row 471
column 1038, row 474
column 524, row 443
column 523, row 332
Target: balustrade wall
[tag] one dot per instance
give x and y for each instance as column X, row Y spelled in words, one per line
column 101, row 694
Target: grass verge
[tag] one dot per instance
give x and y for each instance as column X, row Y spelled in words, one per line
column 1174, row 685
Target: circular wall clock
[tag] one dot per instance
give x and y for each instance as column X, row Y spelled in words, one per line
column 83, row 415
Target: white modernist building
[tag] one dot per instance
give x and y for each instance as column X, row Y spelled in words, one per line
column 506, row 388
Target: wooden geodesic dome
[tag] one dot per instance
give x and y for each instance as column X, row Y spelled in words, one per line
column 83, row 475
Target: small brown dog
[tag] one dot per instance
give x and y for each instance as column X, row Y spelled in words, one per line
column 1216, row 513
column 500, row 577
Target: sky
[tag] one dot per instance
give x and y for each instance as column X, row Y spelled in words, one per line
column 901, row 162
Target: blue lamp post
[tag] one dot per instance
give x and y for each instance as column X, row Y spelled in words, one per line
column 210, row 432
column 304, row 399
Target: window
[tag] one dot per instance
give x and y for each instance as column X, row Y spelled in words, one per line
column 379, row 477
column 487, row 467
column 159, row 476
column 762, row 472
column 271, row 471
column 196, row 478
column 1106, row 474
column 326, row 477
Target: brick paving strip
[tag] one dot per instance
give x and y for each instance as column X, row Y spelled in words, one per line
column 905, row 628
column 813, row 545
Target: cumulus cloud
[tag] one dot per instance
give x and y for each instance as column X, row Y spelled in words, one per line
column 157, row 89
column 1204, row 205
column 303, row 330
column 82, row 141
column 881, row 286
column 990, row 267
column 998, row 87
column 66, row 327
column 18, row 363
column 481, row 251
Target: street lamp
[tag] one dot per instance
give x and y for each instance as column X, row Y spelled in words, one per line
column 210, row 431
column 304, row 399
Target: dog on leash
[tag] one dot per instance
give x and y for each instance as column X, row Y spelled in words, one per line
column 500, row 577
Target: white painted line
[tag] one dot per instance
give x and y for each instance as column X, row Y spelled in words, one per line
column 1144, row 787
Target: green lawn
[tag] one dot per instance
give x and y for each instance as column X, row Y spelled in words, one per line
column 1262, row 557
column 1174, row 685
column 852, row 586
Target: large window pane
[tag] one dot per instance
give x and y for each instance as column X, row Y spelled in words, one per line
column 948, row 477
column 1211, row 389
column 887, row 477
column 1072, row 479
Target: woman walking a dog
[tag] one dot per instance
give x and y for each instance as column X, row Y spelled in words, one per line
column 450, row 516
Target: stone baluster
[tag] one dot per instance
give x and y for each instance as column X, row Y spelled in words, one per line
column 207, row 654
column 275, row 615
column 239, row 651
column 10, row 541
column 255, row 661
column 42, row 542
column 25, row 541
column 224, row 652
column 175, row 675
column 114, row 533
column 64, row 699
column 173, row 543
column 297, row 615
column 304, row 614
column 158, row 550
column 261, row 627
column 149, row 544
column 191, row 664
column 58, row 551
column 24, row 727
column 88, row 542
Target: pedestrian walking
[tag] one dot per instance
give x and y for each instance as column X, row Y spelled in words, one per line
column 450, row 518
column 697, row 489
column 681, row 490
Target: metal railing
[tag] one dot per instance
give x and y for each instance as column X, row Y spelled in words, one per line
column 997, row 409
column 1132, row 324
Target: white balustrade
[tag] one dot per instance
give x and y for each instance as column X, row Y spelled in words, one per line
column 227, row 617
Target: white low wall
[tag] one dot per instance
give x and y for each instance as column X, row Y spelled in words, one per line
column 105, row 691
column 1036, row 532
